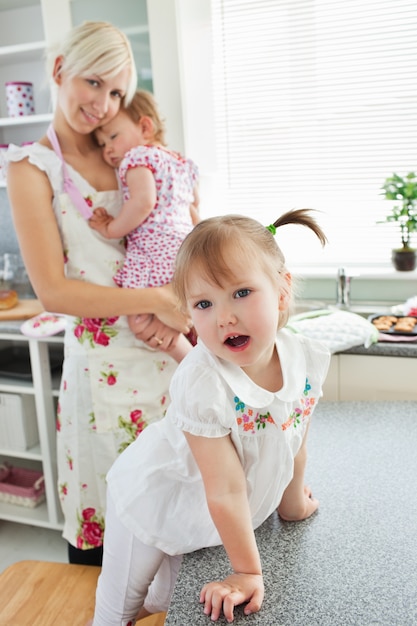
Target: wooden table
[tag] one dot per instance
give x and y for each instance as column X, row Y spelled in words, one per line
column 39, row 593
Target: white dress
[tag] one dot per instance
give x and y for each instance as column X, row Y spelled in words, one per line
column 156, row 485
column 112, row 385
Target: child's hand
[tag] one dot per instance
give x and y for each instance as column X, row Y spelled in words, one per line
column 100, row 212
column 230, row 592
column 100, row 220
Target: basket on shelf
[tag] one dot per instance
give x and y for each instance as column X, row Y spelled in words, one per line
column 21, row 486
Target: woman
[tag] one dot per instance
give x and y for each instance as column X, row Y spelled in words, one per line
column 113, row 384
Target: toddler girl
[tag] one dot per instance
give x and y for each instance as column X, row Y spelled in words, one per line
column 232, row 447
column 161, row 199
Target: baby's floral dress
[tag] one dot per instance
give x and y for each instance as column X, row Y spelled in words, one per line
column 151, row 248
column 113, row 386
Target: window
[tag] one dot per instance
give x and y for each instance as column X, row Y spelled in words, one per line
column 315, row 105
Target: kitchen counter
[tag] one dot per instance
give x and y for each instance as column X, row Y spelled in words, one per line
column 353, row 563
column 403, row 349
column 11, row 326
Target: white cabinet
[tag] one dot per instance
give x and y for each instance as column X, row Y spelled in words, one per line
column 331, row 384
column 131, row 16
column 43, row 386
column 370, row 377
column 22, row 53
column 29, row 27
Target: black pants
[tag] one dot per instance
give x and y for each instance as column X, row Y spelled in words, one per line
column 85, row 557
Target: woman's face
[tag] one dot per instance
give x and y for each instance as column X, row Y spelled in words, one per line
column 89, row 102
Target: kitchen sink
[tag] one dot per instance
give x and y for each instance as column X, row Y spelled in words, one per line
column 305, row 306
column 365, row 309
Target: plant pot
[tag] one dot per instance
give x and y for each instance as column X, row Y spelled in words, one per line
column 404, row 260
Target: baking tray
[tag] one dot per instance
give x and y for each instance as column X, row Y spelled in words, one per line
column 15, row 362
column 391, row 330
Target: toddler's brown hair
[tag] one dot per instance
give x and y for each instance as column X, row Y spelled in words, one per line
column 144, row 104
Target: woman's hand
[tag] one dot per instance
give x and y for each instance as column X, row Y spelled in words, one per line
column 230, row 592
column 153, row 332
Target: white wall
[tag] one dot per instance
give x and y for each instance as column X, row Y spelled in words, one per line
column 180, row 41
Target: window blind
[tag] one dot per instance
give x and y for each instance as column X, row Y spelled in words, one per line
column 315, row 105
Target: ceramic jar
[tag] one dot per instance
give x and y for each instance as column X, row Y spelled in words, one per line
column 19, row 99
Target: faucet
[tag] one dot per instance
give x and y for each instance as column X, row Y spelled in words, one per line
column 343, row 289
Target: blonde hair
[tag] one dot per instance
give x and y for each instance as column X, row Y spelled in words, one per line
column 144, row 104
column 208, row 246
column 96, row 48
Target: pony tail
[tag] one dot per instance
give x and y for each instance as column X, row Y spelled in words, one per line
column 303, row 218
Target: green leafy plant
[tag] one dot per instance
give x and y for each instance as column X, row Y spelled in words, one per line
column 404, row 212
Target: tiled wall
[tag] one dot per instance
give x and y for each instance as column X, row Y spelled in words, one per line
column 8, row 240
column 8, row 243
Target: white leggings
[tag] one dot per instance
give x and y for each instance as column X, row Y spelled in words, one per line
column 133, row 576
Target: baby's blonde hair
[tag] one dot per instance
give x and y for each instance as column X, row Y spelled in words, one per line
column 214, row 243
column 96, row 48
column 144, row 104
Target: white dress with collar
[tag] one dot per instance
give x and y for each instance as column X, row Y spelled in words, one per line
column 156, row 484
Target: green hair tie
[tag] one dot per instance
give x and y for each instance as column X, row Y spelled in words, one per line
column 271, row 229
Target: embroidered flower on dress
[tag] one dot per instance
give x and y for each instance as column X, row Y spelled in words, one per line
column 58, row 417
column 70, row 460
column 90, row 529
column 97, row 331
column 248, row 421
column 110, row 378
column 63, row 490
column 92, row 421
column 132, row 427
column 301, row 413
column 161, row 365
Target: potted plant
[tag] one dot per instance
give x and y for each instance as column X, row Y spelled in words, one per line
column 403, row 190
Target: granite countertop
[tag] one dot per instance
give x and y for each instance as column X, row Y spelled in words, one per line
column 382, row 348
column 354, row 562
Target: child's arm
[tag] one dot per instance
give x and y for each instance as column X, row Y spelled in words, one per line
column 297, row 502
column 226, row 492
column 142, row 199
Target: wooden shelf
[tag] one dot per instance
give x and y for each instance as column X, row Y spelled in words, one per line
column 22, row 53
column 32, row 454
column 38, row 516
